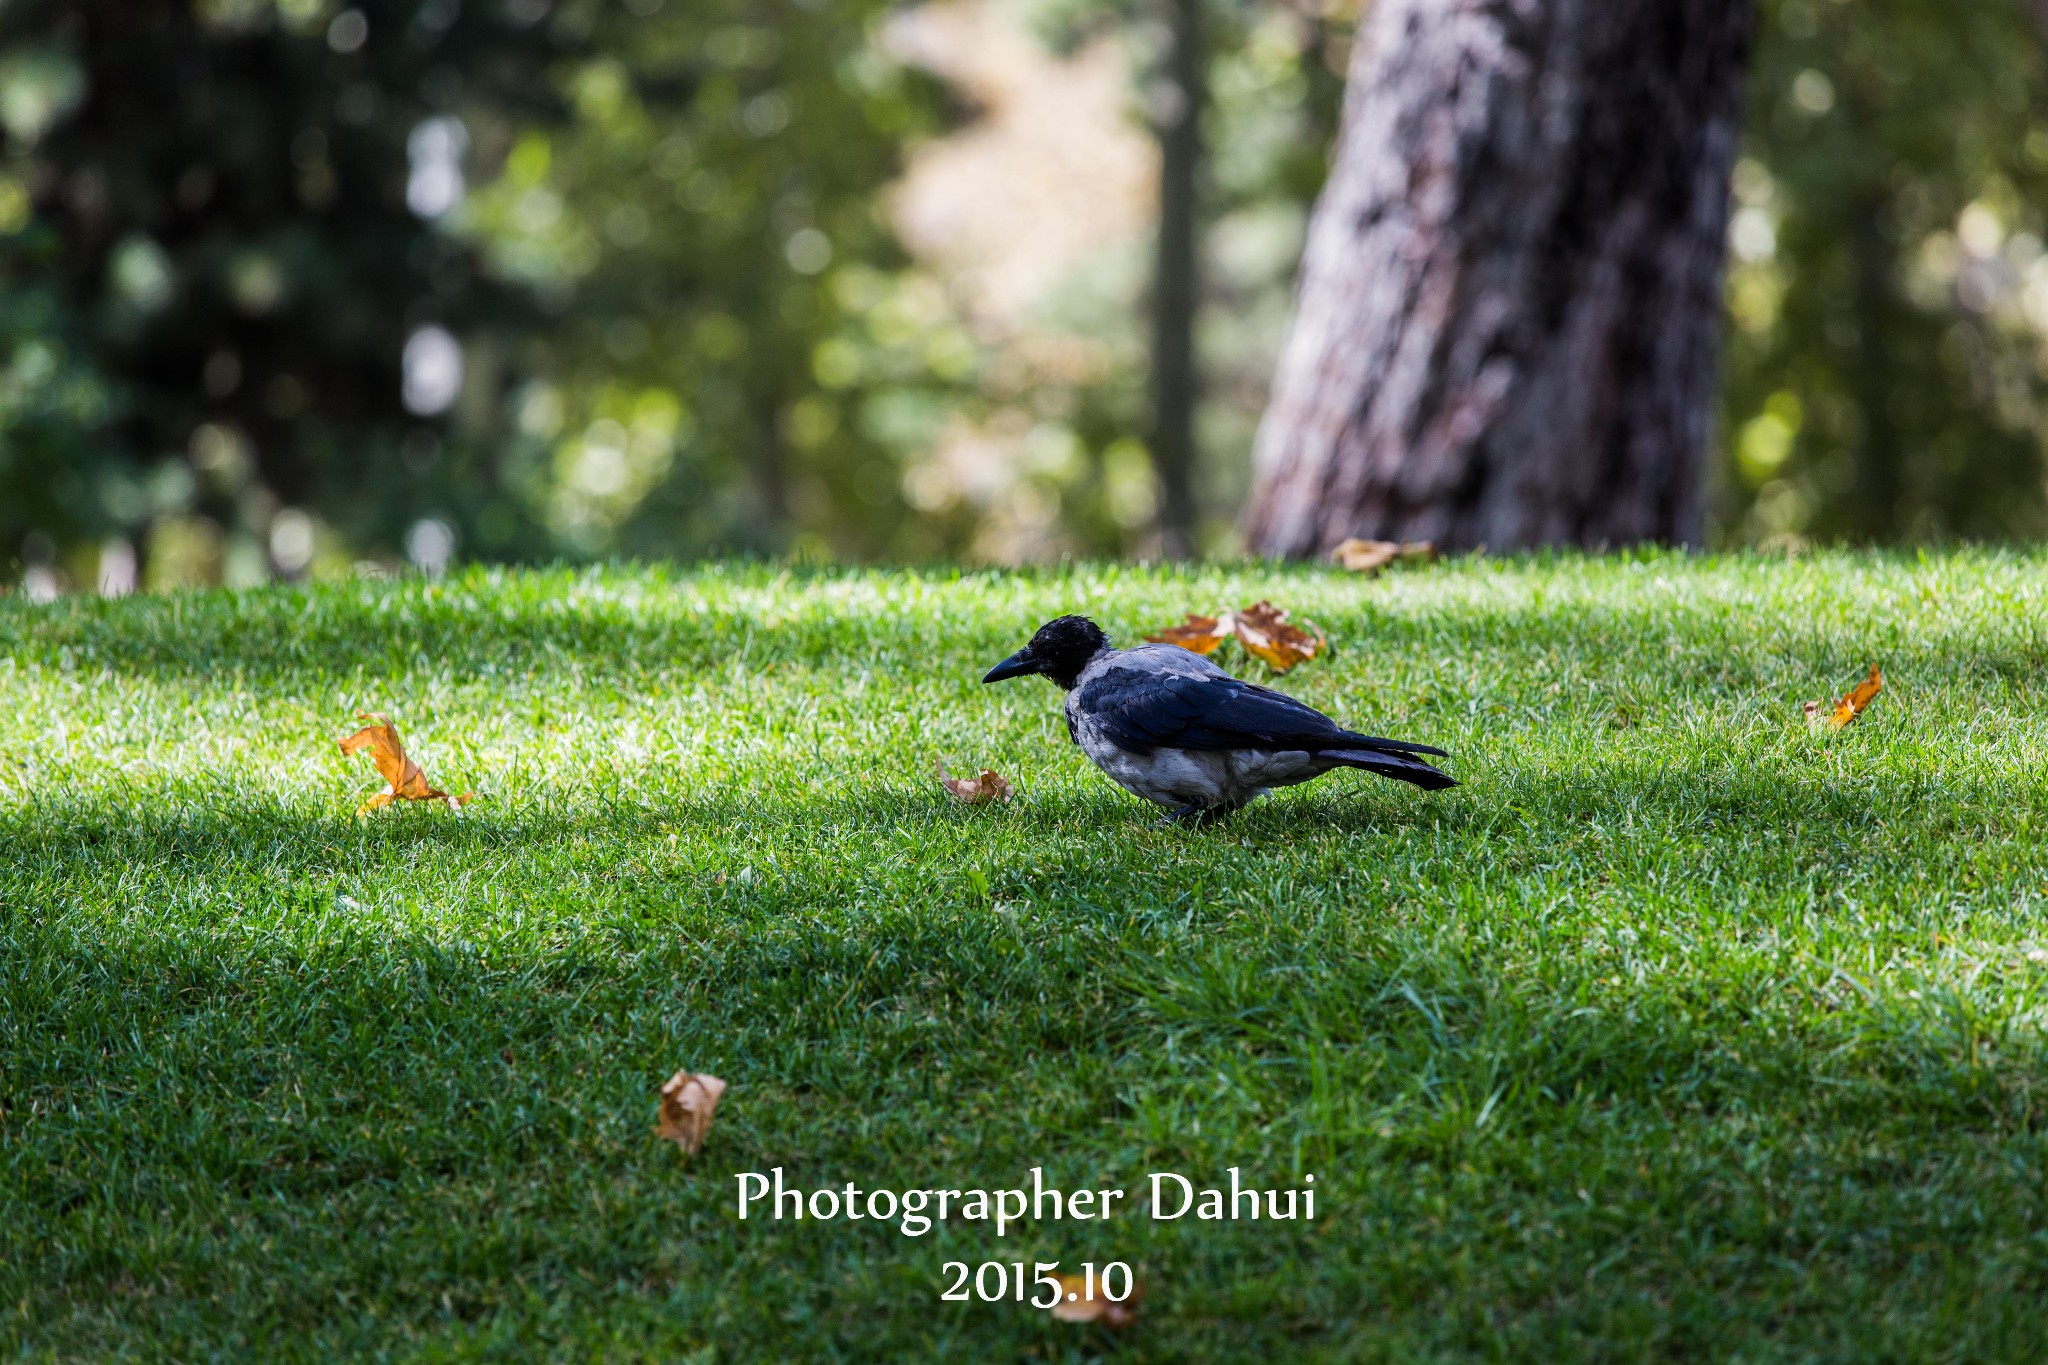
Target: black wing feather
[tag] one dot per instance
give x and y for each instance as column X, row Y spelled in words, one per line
column 1141, row 710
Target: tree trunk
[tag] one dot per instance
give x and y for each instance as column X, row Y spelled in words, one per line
column 1511, row 296
column 1174, row 279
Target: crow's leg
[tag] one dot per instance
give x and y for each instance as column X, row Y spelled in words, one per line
column 1195, row 817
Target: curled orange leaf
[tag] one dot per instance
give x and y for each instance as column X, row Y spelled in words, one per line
column 403, row 779
column 975, row 791
column 1850, row 706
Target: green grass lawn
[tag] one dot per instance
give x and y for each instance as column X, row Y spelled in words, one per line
column 1678, row 1031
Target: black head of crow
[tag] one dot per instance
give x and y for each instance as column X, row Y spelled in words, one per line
column 1168, row 725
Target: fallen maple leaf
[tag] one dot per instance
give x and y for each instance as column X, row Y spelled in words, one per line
column 403, row 778
column 1200, row 633
column 1074, row 1305
column 1261, row 628
column 1850, row 706
column 688, row 1100
column 1370, row 556
column 975, row 791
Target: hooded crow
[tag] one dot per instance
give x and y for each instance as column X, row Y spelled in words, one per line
column 1168, row 725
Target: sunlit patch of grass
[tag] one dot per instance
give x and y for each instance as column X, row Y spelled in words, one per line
column 1678, row 1030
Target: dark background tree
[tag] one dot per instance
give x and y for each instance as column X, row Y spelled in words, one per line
column 1509, row 305
column 219, row 242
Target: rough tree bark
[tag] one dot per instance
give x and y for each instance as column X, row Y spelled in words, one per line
column 1510, row 301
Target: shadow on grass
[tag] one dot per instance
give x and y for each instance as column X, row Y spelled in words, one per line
column 373, row 1138
column 191, row 828
column 339, row 1127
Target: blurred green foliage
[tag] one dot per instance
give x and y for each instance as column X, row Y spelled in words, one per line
column 1273, row 91
column 209, row 273
column 221, row 229
column 287, row 284
column 1888, row 292
column 685, row 323
column 730, row 328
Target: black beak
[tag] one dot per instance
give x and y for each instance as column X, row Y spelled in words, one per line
column 1016, row 666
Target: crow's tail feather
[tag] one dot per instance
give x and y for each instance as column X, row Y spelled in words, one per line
column 1351, row 739
column 1402, row 767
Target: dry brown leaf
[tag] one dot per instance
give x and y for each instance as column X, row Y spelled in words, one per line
column 1365, row 556
column 1073, row 1305
column 403, row 778
column 1850, row 706
column 975, row 791
column 1370, row 556
column 688, row 1101
column 1201, row 633
column 1263, row 630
